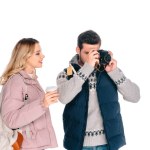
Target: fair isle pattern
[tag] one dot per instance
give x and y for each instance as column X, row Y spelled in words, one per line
column 62, row 75
column 94, row 133
column 81, row 75
column 121, row 80
column 92, row 81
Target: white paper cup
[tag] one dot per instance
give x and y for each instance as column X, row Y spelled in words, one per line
column 51, row 88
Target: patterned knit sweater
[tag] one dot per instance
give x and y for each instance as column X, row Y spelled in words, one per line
column 68, row 89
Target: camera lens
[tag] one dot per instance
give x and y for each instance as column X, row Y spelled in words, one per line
column 105, row 58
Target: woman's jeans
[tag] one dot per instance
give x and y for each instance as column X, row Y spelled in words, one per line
column 101, row 147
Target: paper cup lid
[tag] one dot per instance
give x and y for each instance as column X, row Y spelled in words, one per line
column 51, row 88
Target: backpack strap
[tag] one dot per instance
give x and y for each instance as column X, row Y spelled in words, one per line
column 7, row 135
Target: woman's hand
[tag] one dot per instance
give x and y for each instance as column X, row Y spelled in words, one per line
column 51, row 98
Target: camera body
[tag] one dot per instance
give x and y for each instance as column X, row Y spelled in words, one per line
column 104, row 59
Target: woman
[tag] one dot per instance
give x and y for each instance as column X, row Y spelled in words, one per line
column 19, row 80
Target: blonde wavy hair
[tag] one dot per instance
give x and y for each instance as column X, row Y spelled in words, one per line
column 21, row 52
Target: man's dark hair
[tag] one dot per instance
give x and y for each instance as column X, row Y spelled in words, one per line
column 88, row 37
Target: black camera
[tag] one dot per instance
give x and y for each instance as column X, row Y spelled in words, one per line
column 104, row 60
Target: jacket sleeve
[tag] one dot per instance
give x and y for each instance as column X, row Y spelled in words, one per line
column 68, row 89
column 129, row 90
column 14, row 111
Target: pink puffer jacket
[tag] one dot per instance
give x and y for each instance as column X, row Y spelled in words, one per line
column 18, row 115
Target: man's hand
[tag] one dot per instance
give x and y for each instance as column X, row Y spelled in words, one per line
column 93, row 58
column 112, row 64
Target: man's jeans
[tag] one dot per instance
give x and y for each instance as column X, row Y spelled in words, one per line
column 102, row 147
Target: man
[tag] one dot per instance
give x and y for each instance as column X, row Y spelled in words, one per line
column 91, row 118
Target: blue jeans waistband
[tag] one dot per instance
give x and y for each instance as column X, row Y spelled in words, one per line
column 100, row 147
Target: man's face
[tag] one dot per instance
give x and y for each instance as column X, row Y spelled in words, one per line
column 83, row 53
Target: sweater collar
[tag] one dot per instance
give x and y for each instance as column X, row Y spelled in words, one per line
column 75, row 59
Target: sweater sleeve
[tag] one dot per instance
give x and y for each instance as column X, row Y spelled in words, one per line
column 68, row 89
column 15, row 112
column 129, row 90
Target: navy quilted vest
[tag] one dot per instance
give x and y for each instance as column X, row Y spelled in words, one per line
column 75, row 114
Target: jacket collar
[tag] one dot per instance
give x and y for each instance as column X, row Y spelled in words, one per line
column 27, row 78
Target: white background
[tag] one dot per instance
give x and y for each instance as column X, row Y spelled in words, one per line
column 124, row 28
